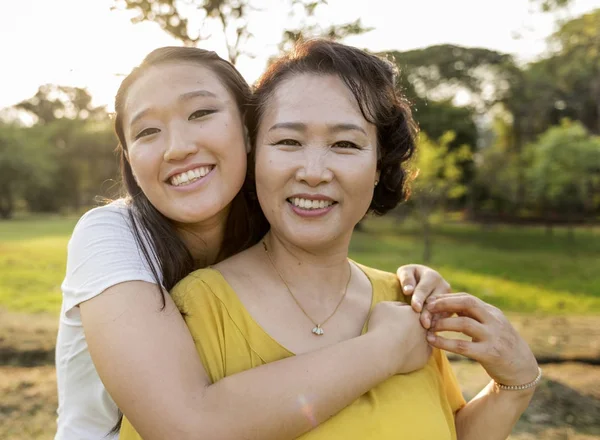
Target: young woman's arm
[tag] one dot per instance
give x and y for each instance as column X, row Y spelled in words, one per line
column 149, row 364
column 503, row 353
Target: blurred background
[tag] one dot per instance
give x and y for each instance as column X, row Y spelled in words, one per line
column 506, row 204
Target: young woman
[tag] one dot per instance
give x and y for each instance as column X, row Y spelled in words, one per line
column 183, row 146
column 331, row 135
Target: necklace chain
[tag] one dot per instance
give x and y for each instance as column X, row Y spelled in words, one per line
column 318, row 329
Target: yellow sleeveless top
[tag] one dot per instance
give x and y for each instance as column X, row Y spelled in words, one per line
column 416, row 406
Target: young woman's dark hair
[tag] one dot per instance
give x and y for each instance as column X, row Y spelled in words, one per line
column 155, row 233
column 372, row 81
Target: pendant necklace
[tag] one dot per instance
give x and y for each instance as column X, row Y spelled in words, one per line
column 318, row 327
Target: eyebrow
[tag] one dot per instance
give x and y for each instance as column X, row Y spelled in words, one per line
column 196, row 93
column 183, row 97
column 335, row 128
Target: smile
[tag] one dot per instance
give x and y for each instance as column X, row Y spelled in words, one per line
column 190, row 176
column 310, row 204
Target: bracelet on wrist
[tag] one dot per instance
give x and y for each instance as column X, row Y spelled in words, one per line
column 525, row 386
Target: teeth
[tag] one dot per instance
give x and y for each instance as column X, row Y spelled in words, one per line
column 310, row 204
column 190, row 176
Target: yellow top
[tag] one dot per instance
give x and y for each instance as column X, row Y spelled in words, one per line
column 419, row 405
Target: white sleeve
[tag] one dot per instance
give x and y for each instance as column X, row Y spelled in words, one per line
column 102, row 252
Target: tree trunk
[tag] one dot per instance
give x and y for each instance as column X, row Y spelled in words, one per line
column 570, row 227
column 518, row 148
column 6, row 204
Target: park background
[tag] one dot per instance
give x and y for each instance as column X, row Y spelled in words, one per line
column 506, row 204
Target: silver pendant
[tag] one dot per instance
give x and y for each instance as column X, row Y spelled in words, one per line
column 318, row 330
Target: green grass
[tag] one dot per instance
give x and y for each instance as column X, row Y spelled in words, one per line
column 32, row 263
column 517, row 269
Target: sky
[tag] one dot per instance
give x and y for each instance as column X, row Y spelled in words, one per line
column 85, row 44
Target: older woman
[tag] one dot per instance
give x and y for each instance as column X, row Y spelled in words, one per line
column 330, row 135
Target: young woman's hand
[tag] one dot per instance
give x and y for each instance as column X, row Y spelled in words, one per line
column 421, row 282
column 404, row 339
column 495, row 343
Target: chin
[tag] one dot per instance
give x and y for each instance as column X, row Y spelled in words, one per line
column 313, row 239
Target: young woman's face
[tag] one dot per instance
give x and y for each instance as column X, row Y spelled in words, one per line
column 185, row 140
column 316, row 161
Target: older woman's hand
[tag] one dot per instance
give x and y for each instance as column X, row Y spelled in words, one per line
column 495, row 343
column 421, row 282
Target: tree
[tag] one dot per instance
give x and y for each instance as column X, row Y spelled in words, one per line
column 437, row 180
column 233, row 17
column 22, row 162
column 564, row 171
column 69, row 150
column 551, row 5
column 441, row 72
column 82, row 154
column 497, row 183
column 576, row 67
column 52, row 102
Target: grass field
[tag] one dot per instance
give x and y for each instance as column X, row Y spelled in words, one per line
column 517, row 269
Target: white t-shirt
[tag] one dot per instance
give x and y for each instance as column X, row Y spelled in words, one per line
column 102, row 252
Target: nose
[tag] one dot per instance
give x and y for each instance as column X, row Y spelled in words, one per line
column 314, row 169
column 179, row 145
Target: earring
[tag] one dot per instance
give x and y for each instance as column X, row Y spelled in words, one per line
column 376, row 182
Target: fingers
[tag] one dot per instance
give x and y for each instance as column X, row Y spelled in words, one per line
column 430, row 284
column 421, row 282
column 464, row 325
column 460, row 303
column 406, row 275
column 437, row 316
column 472, row 350
column 426, row 319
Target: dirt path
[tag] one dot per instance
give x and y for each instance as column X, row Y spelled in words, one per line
column 566, row 404
column 565, row 407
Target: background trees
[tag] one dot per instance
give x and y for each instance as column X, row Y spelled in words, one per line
column 494, row 141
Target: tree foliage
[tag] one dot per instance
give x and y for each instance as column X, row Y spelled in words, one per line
column 550, row 5
column 233, row 17
column 63, row 160
column 575, row 64
column 438, row 179
column 52, row 102
column 564, row 169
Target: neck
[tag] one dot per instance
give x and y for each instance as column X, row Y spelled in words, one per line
column 204, row 240
column 322, row 273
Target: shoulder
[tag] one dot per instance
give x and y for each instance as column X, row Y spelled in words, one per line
column 385, row 284
column 199, row 288
column 104, row 251
column 113, row 216
column 108, row 226
column 106, row 232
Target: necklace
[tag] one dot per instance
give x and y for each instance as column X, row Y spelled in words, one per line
column 318, row 329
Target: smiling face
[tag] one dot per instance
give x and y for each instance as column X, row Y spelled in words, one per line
column 316, row 161
column 185, row 141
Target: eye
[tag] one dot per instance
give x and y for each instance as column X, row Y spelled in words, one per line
column 146, row 132
column 346, row 144
column 288, row 142
column 199, row 114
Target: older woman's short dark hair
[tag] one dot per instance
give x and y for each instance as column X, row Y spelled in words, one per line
column 372, row 81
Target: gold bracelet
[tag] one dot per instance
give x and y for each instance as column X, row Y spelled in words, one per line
column 521, row 387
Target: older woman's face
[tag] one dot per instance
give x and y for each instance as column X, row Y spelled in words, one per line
column 316, row 161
